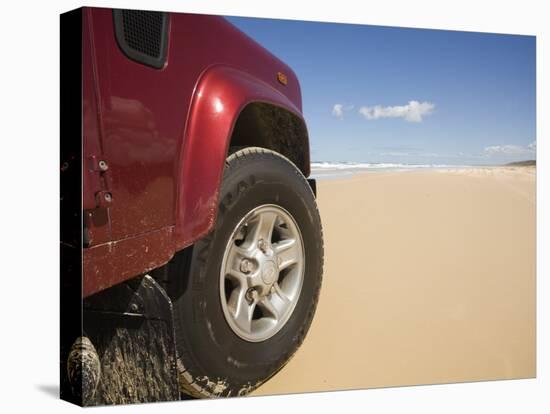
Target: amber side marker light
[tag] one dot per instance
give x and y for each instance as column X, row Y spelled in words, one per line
column 281, row 77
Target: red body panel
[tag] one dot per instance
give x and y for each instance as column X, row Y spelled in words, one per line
column 164, row 135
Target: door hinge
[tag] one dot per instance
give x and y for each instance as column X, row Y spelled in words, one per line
column 100, row 180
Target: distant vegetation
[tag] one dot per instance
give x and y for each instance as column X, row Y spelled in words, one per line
column 523, row 163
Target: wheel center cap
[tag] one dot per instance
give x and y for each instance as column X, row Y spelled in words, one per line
column 269, row 272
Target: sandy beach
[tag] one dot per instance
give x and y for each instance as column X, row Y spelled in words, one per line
column 429, row 278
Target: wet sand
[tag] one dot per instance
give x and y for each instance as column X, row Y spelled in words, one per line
column 429, row 278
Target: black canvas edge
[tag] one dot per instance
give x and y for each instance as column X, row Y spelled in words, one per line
column 70, row 191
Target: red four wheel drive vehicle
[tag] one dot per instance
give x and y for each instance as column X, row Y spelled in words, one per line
column 194, row 161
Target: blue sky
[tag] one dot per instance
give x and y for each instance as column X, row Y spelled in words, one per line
column 383, row 94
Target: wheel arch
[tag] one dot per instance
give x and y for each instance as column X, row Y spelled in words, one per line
column 273, row 127
column 229, row 107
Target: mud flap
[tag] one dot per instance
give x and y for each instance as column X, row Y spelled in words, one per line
column 131, row 328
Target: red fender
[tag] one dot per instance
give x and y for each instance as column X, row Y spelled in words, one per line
column 220, row 95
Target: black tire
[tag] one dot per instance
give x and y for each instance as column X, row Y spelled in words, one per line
column 212, row 360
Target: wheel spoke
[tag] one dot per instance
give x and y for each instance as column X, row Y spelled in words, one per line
column 279, row 298
column 238, row 277
column 263, row 228
column 241, row 310
column 267, row 305
column 287, row 253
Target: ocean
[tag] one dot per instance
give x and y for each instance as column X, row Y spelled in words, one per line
column 327, row 169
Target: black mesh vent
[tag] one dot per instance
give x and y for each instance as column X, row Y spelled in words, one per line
column 143, row 31
column 142, row 35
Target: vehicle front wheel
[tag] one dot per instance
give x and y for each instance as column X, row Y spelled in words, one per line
column 244, row 296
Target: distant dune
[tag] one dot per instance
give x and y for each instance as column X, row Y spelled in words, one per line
column 523, row 163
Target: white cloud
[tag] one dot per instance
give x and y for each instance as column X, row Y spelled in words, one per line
column 510, row 150
column 338, row 110
column 411, row 112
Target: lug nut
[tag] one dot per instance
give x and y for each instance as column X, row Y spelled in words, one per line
column 246, row 266
column 262, row 245
column 251, row 295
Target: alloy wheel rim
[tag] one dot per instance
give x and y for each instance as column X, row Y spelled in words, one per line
column 262, row 273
